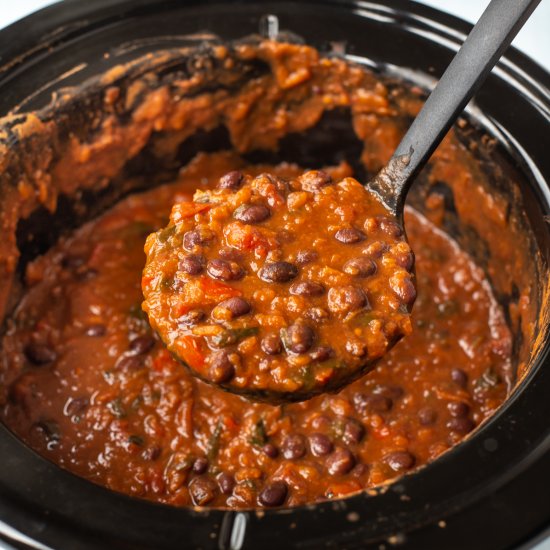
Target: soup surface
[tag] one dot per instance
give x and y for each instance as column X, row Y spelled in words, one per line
column 280, row 289
column 87, row 384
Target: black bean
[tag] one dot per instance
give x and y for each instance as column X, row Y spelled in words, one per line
column 236, row 305
column 390, row 227
column 232, row 180
column 314, row 180
column 190, row 318
column 75, row 406
column 193, row 238
column 202, row 490
column 349, row 235
column 404, row 260
column 142, row 344
column 306, row 288
column 270, row 450
column 376, row 249
column 427, row 416
column 400, row 461
column 306, row 256
column 97, row 329
column 294, row 446
column 151, row 453
column 462, row 425
column 200, row 465
column 388, row 390
column 192, row 264
column 298, row 338
column 320, row 444
column 226, row 483
column 371, row 403
column 322, row 353
column 252, row 213
column 459, row 377
column 360, row 267
column 278, row 272
column 273, row 494
column 344, row 299
column 39, row 354
column 340, row 462
column 221, row 368
column 458, row 409
column 404, row 288
column 224, row 270
column 357, row 348
column 353, row 433
column 130, row 363
column 271, row 344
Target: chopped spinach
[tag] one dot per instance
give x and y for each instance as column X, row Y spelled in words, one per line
column 306, row 375
column 363, row 318
column 489, row 379
column 116, row 408
column 136, row 440
column 214, row 442
column 166, row 233
column 166, row 282
column 447, row 308
column 233, row 335
column 258, row 436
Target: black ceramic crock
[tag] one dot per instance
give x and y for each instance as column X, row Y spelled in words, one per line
column 491, row 491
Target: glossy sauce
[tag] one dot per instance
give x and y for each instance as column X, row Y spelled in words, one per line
column 280, row 289
column 87, row 384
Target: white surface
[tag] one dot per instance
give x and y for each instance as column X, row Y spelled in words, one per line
column 533, row 39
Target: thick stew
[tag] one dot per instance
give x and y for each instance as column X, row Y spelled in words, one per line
column 280, row 289
column 86, row 382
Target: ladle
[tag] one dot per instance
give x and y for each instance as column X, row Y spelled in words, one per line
column 305, row 357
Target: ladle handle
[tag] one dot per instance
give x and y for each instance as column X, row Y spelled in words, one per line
column 491, row 35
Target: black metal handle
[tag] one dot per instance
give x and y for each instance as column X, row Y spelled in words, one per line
column 491, row 35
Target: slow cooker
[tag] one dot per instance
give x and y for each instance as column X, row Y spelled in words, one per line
column 490, row 491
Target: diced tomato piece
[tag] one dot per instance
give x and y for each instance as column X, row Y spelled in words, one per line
column 230, row 423
column 189, row 349
column 145, row 280
column 162, row 360
column 202, row 291
column 181, row 308
column 217, row 291
column 184, row 210
column 248, row 238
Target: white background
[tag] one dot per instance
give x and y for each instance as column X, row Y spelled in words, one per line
column 533, row 39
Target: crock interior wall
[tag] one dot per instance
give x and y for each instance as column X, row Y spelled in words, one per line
column 331, row 140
